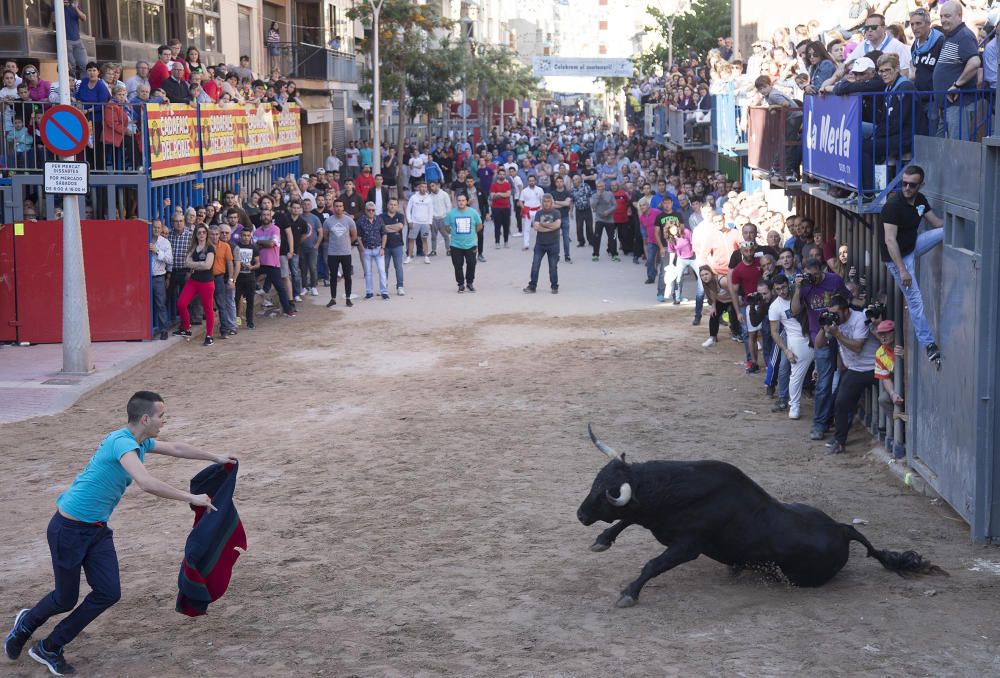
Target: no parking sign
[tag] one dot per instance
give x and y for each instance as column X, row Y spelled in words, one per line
column 64, row 130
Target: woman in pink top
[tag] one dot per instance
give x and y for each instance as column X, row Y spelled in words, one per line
column 679, row 244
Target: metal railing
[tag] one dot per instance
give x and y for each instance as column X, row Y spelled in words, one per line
column 689, row 129
column 302, row 60
column 729, row 124
column 876, row 137
column 115, row 141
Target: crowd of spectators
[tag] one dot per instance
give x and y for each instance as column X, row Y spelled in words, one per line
column 923, row 68
column 115, row 103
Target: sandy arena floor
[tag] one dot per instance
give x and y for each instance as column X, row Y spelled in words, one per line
column 410, row 475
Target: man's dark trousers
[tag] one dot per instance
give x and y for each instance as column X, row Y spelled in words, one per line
column 541, row 250
column 75, row 545
column 852, row 386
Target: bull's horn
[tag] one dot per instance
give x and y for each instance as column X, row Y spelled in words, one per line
column 601, row 446
column 624, row 495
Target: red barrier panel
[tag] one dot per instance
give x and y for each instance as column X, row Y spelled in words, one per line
column 116, row 261
column 8, row 303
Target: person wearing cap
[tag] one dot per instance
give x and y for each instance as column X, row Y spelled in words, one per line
column 857, row 343
column 885, row 362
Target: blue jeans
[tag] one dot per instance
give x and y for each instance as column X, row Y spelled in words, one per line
column 826, row 365
column 564, row 228
column 925, row 242
column 225, row 301
column 75, row 546
column 374, row 259
column 956, row 120
column 395, row 255
column 296, row 274
column 784, row 375
column 652, row 259
column 541, row 250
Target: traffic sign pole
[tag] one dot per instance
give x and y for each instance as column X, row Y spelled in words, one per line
column 76, row 318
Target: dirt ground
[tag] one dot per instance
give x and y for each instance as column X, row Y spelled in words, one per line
column 409, row 480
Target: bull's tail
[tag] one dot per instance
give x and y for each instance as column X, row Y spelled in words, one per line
column 905, row 564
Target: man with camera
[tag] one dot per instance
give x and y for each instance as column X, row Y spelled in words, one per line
column 814, row 291
column 857, row 343
column 758, row 305
column 794, row 345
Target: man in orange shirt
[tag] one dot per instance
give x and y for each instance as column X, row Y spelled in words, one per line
column 225, row 281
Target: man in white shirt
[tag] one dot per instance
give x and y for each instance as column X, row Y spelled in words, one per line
column 878, row 38
column 417, row 163
column 531, row 202
column 442, row 205
column 786, row 332
column 353, row 156
column 420, row 216
column 162, row 260
column 333, row 163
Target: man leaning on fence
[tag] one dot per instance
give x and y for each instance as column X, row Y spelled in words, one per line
column 955, row 75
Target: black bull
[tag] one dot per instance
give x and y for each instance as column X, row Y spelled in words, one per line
column 712, row 508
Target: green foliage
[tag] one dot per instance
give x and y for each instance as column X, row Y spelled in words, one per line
column 697, row 30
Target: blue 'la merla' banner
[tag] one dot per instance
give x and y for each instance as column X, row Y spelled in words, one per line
column 831, row 131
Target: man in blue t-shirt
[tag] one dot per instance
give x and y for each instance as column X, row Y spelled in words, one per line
column 79, row 537
column 76, row 52
column 464, row 223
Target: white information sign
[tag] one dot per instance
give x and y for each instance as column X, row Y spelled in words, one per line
column 579, row 66
column 67, row 178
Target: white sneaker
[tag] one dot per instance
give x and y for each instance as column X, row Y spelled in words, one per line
column 400, row 292
column 793, row 413
column 427, row 260
column 708, row 343
column 298, row 297
column 267, row 303
column 354, row 295
column 408, row 259
column 314, row 292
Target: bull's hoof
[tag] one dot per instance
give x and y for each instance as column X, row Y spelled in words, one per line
column 599, row 546
column 626, row 601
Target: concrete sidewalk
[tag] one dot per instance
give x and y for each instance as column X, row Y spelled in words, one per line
column 31, row 385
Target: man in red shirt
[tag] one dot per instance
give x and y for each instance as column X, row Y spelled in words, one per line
column 500, row 193
column 160, row 71
column 743, row 283
column 623, row 210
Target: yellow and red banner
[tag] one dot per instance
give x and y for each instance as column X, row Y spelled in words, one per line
column 185, row 138
column 223, row 135
column 173, row 139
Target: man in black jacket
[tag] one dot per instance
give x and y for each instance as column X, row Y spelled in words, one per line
column 175, row 88
column 379, row 195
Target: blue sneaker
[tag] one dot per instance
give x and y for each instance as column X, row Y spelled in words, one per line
column 17, row 637
column 661, row 298
column 53, row 661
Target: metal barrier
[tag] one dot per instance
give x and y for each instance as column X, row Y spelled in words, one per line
column 729, row 124
column 688, row 130
column 884, row 125
column 302, row 60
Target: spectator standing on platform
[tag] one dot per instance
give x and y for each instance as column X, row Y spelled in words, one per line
column 76, row 51
column 160, row 71
column 176, row 89
column 955, row 73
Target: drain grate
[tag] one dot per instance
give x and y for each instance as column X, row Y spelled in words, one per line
column 61, row 382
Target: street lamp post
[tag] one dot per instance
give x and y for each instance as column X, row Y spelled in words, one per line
column 75, row 316
column 376, row 90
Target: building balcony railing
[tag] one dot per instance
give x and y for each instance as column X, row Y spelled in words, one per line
column 729, row 124
column 860, row 143
column 156, row 140
column 302, row 60
column 689, row 130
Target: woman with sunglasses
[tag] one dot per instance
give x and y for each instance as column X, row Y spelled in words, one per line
column 200, row 259
column 38, row 89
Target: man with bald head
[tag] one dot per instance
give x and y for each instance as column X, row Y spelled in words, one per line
column 955, row 73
